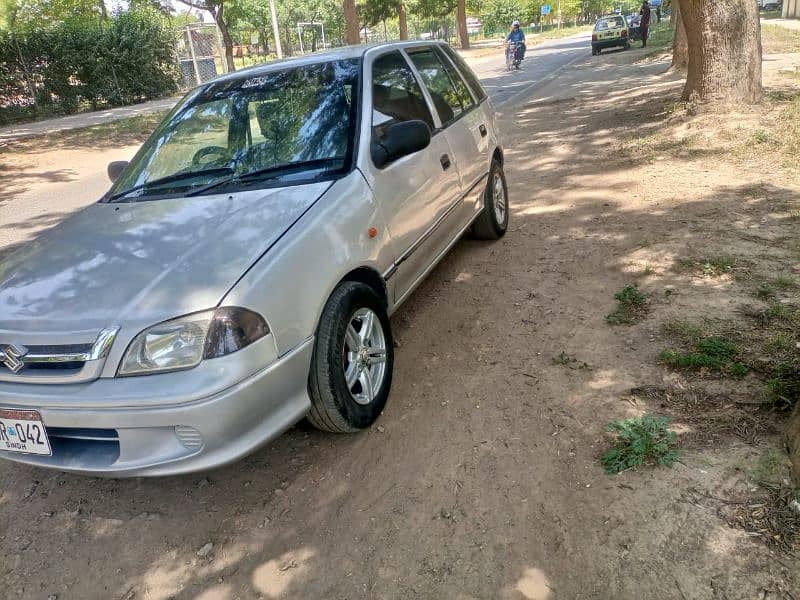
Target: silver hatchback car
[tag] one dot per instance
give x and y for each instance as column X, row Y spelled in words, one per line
column 240, row 273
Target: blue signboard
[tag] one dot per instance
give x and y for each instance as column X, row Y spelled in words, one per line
column 655, row 3
column 545, row 9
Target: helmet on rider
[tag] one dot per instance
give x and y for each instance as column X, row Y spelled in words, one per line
column 515, row 24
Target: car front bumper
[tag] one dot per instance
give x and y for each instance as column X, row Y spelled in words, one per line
column 612, row 43
column 168, row 438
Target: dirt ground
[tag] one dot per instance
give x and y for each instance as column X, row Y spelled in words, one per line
column 482, row 479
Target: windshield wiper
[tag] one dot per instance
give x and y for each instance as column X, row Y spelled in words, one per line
column 170, row 179
column 273, row 172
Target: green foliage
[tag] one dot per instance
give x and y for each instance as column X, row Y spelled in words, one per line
column 709, row 354
column 631, row 306
column 683, row 330
column 125, row 59
column 783, row 387
column 644, row 440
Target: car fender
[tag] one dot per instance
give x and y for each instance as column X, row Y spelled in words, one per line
column 289, row 286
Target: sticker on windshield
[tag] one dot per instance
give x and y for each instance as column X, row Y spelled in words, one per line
column 255, row 82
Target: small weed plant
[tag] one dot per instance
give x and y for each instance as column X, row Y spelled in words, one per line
column 631, row 306
column 641, row 441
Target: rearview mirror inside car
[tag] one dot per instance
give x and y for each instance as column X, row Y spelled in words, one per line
column 116, row 168
column 399, row 140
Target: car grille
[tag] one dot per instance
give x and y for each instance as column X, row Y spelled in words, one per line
column 66, row 363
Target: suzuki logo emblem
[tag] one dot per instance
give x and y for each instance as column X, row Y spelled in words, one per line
column 12, row 356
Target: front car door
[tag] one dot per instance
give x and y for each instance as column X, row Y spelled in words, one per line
column 417, row 191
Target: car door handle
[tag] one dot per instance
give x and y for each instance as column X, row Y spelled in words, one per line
column 482, row 129
column 445, row 160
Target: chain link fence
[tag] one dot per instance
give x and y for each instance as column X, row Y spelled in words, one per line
column 200, row 54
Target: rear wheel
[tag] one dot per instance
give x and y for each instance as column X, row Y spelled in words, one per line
column 492, row 222
column 351, row 369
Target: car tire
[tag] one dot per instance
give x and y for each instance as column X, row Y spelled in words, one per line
column 492, row 222
column 348, row 390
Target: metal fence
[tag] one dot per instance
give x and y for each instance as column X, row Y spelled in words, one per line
column 200, row 54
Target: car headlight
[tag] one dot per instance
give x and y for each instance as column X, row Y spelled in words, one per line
column 183, row 342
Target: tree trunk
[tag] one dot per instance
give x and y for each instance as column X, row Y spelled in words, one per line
column 724, row 50
column 351, row 22
column 680, row 47
column 403, row 18
column 793, row 442
column 227, row 41
column 461, row 17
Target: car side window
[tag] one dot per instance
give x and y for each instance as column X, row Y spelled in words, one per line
column 396, row 95
column 458, row 82
column 446, row 98
column 466, row 73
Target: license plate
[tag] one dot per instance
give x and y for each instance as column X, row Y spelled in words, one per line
column 23, row 431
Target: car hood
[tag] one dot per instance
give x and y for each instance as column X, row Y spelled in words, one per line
column 141, row 263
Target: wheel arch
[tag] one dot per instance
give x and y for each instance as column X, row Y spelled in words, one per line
column 370, row 277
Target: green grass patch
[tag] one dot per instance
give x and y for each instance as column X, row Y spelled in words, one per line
column 631, row 306
column 783, row 387
column 714, row 354
column 784, row 282
column 762, row 137
column 640, row 441
column 713, row 266
column 782, row 341
column 683, row 330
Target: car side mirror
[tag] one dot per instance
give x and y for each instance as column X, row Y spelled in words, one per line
column 399, row 140
column 116, row 168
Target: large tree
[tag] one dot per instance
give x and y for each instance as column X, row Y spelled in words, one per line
column 352, row 35
column 724, row 40
column 461, row 20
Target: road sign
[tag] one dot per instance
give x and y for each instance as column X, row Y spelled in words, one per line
column 545, row 9
column 655, row 3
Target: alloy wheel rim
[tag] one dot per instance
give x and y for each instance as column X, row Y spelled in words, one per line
column 499, row 199
column 364, row 356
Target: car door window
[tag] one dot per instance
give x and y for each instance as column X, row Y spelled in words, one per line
column 447, row 99
column 396, row 95
column 466, row 72
column 458, row 82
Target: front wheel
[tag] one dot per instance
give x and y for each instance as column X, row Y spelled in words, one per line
column 351, row 368
column 492, row 222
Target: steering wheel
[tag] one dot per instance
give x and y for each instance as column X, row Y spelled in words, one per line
column 219, row 151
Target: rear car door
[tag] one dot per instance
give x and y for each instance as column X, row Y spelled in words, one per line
column 417, row 191
column 462, row 123
column 468, row 131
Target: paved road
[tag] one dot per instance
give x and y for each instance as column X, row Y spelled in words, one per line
column 541, row 63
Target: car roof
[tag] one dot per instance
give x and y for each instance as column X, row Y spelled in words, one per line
column 343, row 53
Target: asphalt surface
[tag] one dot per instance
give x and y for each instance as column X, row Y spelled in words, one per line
column 541, row 64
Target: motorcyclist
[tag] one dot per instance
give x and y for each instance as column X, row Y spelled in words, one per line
column 517, row 36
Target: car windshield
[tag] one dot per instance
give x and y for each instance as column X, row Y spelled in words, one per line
column 289, row 126
column 609, row 23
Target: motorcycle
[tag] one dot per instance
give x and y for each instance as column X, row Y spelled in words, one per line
column 513, row 55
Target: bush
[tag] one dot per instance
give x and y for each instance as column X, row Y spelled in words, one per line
column 640, row 441
column 49, row 70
